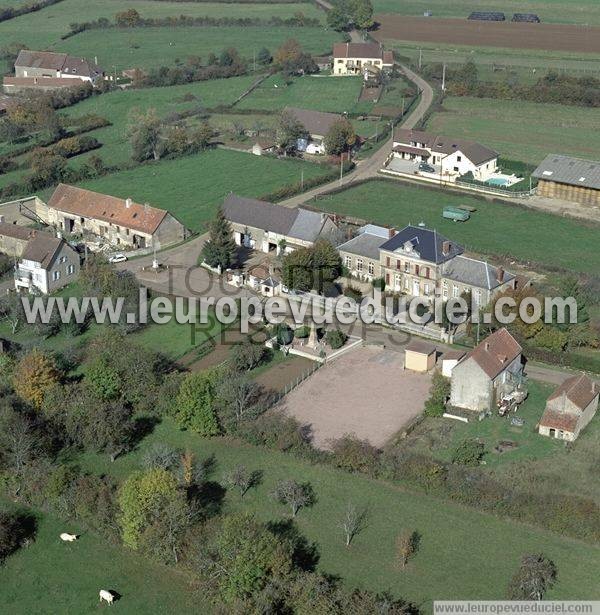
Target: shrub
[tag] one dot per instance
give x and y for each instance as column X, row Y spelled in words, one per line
column 354, row 455
column 336, row 338
column 353, row 293
column 194, row 406
column 435, row 405
column 468, row 453
column 302, row 332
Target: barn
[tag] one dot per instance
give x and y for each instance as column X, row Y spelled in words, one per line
column 569, row 179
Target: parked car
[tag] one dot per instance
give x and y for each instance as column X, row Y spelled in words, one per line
column 117, row 258
column 426, row 168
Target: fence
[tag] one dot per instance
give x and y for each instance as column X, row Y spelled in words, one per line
column 275, row 399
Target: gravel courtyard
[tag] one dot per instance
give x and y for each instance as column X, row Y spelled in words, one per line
column 365, row 392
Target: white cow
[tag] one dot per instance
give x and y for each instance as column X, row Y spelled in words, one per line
column 106, row 595
column 68, row 537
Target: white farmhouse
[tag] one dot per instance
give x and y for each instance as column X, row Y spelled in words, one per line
column 448, row 157
column 353, row 58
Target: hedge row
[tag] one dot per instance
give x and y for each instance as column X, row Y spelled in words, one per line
column 11, row 12
column 290, row 190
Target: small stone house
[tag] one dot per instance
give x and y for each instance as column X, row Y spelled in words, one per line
column 570, row 408
column 491, row 370
column 14, row 238
column 122, row 223
column 317, row 125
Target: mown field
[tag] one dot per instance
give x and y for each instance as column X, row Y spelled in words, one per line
column 521, row 130
column 44, row 28
column 463, row 554
column 494, row 229
column 549, row 11
column 152, row 47
column 50, row 576
column 193, row 187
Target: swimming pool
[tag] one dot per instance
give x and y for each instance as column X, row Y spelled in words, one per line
column 498, row 181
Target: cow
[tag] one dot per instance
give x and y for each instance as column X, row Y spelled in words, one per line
column 68, row 537
column 107, row 596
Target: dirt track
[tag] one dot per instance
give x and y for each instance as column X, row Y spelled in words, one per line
column 552, row 37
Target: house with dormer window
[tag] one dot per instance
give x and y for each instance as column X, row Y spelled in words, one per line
column 447, row 157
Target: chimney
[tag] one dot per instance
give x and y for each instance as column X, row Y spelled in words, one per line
column 146, row 206
column 1, row 219
column 446, row 246
column 487, row 345
column 128, row 202
column 391, row 232
column 58, row 235
column 500, row 275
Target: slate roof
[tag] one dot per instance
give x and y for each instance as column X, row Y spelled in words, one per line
column 358, row 50
column 366, row 244
column 315, row 122
column 569, row 170
column 427, row 243
column 475, row 152
column 495, row 353
column 296, row 223
column 579, row 390
column 476, row 273
column 88, row 204
column 42, row 248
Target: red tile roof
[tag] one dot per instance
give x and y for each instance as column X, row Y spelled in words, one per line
column 579, row 390
column 421, row 347
column 88, row 204
column 563, row 421
column 358, row 50
column 54, row 82
column 496, row 352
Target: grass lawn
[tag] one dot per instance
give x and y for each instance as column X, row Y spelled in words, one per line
column 521, row 130
column 464, row 554
column 192, row 187
column 530, row 445
column 549, row 11
column 117, row 107
column 171, row 339
column 325, row 93
column 495, row 228
column 153, row 47
column 44, row 28
column 51, row 576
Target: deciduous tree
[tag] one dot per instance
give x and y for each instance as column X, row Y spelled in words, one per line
column 340, row 138
column 293, row 494
column 535, row 576
column 34, row 375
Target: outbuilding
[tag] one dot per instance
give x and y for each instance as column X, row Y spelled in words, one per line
column 419, row 356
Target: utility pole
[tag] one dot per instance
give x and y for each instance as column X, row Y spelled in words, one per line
column 302, row 180
column 420, row 58
column 341, row 167
column 444, row 78
column 403, row 106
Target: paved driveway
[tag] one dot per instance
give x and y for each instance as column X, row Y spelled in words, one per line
column 366, row 392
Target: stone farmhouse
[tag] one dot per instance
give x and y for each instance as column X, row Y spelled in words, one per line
column 119, row 222
column 569, row 179
column 317, row 125
column 570, row 408
column 353, row 58
column 422, row 263
column 49, row 70
column 492, row 369
column 448, row 157
column 267, row 227
column 14, row 238
column 46, row 264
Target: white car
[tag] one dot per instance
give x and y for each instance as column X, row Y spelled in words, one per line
column 117, row 258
